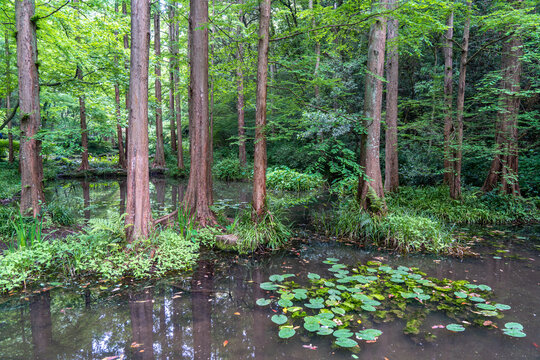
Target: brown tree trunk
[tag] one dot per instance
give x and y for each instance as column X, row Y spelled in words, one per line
column 84, row 131
column 259, row 157
column 317, row 53
column 391, row 175
column 240, row 97
column 198, row 197
column 8, row 98
column 448, row 95
column 126, row 46
column 31, row 165
column 138, row 196
column 159, row 159
column 178, row 101
column 121, row 154
column 173, row 46
column 457, row 144
column 370, row 184
column 504, row 167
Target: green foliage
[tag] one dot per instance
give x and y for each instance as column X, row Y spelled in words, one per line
column 400, row 230
column 10, row 180
column 283, row 178
column 4, row 147
column 475, row 207
column 101, row 251
column 269, row 232
column 347, row 303
column 229, row 169
column 27, row 231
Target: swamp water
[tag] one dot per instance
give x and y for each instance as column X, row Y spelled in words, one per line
column 211, row 313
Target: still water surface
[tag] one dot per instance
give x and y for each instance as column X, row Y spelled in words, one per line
column 211, row 313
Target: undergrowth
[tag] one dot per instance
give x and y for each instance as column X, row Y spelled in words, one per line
column 283, row 178
column 269, row 232
column 100, row 251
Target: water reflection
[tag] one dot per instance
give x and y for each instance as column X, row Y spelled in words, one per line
column 202, row 286
column 142, row 325
column 41, row 325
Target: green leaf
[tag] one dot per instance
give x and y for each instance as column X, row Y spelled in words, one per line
column 514, row 333
column 368, row 308
column 279, row 319
column 312, row 326
column 477, row 299
column 486, row 306
column 325, row 331
column 343, row 333
column 313, row 276
column 513, row 325
column 338, row 310
column 263, row 302
column 369, row 334
column 277, row 278
column 345, row 342
column 503, row 306
column 268, row 286
column 455, row 327
column 460, row 294
column 484, row 288
column 285, row 303
column 286, row 332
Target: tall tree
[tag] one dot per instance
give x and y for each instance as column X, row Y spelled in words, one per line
column 119, row 135
column 391, row 174
column 260, row 157
column 457, row 143
column 448, row 94
column 198, row 198
column 31, row 165
column 159, row 158
column 240, row 92
column 8, row 97
column 138, row 196
column 173, row 46
column 504, row 167
column 174, row 95
column 370, row 188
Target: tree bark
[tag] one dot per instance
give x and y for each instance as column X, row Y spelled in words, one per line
column 173, row 48
column 317, row 54
column 159, row 159
column 177, row 100
column 448, row 95
column 457, row 144
column 138, row 216
column 504, row 167
column 121, row 154
column 126, row 46
column 198, row 197
column 260, row 157
column 370, row 187
column 8, row 98
column 84, row 130
column 31, row 165
column 242, row 157
column 391, row 174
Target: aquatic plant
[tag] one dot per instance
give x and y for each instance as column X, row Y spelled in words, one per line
column 345, row 305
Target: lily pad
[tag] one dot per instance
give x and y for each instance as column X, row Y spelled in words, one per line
column 326, row 315
column 263, row 302
column 312, row 326
column 276, row 277
column 313, row 276
column 325, row 331
column 268, row 286
column 369, row 334
column 484, row 288
column 503, row 306
column 285, row 303
column 477, row 299
column 368, row 308
column 346, row 342
column 460, row 294
column 338, row 310
column 513, row 325
column 514, row 333
column 455, row 327
column 286, row 332
column 279, row 319
column 486, row 306
column 343, row 333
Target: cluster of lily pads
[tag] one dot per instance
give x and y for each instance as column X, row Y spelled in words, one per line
column 346, row 304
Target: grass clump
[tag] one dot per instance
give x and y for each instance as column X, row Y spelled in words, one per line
column 400, row 230
column 269, row 232
column 100, row 251
column 283, row 178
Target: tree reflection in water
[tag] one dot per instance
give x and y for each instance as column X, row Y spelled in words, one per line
column 141, row 306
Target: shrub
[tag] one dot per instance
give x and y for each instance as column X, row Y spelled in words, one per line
column 229, row 169
column 269, row 232
column 283, row 178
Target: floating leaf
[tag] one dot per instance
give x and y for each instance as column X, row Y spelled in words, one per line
column 343, row 333
column 484, row 288
column 368, row 308
column 328, row 323
column 313, row 276
column 268, row 286
column 503, row 306
column 294, row 309
column 329, row 284
column 263, row 302
column 312, row 326
column 279, row 319
column 477, row 299
column 287, row 296
column 486, row 307
column 455, row 327
column 325, row 331
column 471, row 286
column 276, row 277
column 369, row 334
column 286, row 332
column 408, row 295
column 338, row 310
column 513, row 325
column 514, row 333
column 325, row 315
column 460, row 294
column 286, row 276
column 332, row 259
column 345, row 342
column 285, row 303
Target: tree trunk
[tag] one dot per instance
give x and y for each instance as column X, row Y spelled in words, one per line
column 198, row 197
column 84, row 131
column 391, row 175
column 260, row 158
column 8, row 98
column 138, row 196
column 178, row 101
column 457, row 144
column 448, row 89
column 370, row 188
column 240, row 92
column 504, row 167
column 121, row 154
column 31, row 165
column 317, row 53
column 126, row 46
column 159, row 159
column 173, row 47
